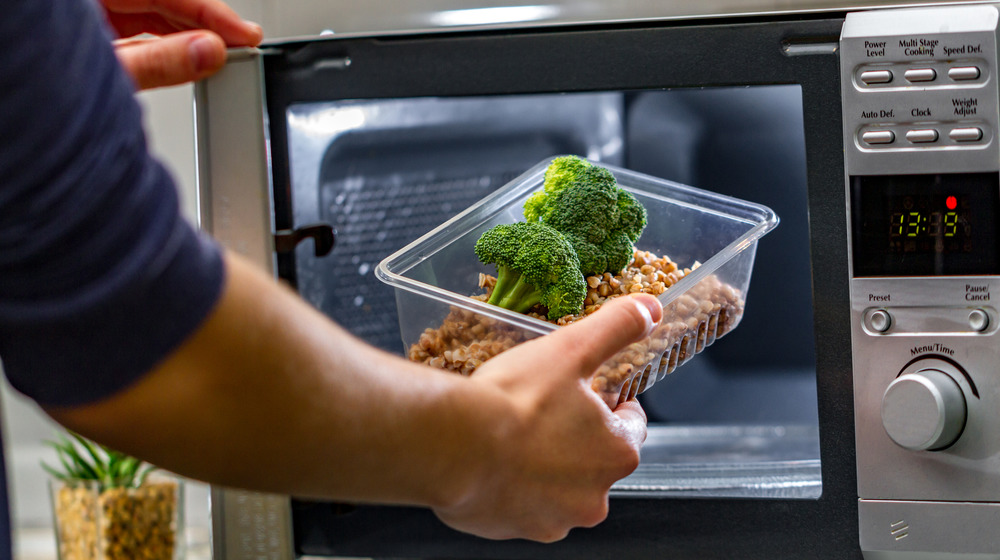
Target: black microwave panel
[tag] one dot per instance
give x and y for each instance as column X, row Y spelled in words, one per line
column 926, row 225
column 724, row 107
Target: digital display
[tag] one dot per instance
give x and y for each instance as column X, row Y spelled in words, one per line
column 925, row 225
column 921, row 223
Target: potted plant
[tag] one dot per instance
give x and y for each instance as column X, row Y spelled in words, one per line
column 107, row 506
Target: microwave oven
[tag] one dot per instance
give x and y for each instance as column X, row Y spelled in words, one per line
column 852, row 415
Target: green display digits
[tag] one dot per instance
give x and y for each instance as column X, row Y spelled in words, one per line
column 925, row 225
column 919, row 224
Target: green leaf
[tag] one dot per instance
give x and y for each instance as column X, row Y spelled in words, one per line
column 87, row 471
column 125, row 471
column 144, row 474
column 67, row 455
column 55, row 473
column 114, row 463
column 129, row 467
column 91, row 449
column 75, row 465
column 70, row 471
column 82, row 459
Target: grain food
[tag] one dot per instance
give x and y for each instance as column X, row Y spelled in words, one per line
column 711, row 308
column 117, row 523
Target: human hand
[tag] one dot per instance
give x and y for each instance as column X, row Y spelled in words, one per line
column 188, row 43
column 561, row 447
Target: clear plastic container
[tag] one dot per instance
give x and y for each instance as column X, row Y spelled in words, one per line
column 713, row 235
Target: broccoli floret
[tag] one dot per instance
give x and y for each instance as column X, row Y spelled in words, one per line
column 611, row 255
column 631, row 215
column 601, row 220
column 535, row 265
column 588, row 209
column 561, row 173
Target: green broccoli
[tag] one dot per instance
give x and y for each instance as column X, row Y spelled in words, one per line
column 535, row 265
column 584, row 202
column 561, row 173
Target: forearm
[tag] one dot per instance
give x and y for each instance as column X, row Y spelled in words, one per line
column 257, row 389
column 275, row 397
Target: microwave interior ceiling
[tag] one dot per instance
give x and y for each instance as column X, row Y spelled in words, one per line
column 312, row 18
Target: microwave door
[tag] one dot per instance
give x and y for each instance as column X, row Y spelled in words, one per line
column 384, row 138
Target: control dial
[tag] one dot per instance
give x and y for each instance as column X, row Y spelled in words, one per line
column 925, row 409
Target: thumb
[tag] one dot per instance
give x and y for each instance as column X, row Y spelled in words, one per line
column 588, row 343
column 172, row 60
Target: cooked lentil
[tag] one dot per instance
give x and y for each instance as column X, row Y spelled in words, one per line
column 694, row 320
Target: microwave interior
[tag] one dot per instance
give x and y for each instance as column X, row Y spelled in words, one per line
column 385, row 139
column 740, row 418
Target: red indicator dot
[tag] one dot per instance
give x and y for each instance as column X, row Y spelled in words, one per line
column 951, row 202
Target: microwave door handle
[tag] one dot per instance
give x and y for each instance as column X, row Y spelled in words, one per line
column 324, row 238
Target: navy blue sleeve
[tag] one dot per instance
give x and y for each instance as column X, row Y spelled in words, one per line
column 100, row 276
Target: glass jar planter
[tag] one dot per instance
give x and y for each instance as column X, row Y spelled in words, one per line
column 118, row 523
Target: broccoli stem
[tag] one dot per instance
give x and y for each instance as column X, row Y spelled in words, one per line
column 513, row 292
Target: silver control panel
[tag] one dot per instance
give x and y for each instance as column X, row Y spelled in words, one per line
column 920, row 105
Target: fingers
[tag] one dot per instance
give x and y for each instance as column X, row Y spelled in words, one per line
column 211, row 15
column 631, row 424
column 596, row 339
column 130, row 25
column 172, row 60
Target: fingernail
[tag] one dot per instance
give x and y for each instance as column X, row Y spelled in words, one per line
column 202, row 51
column 256, row 27
column 644, row 305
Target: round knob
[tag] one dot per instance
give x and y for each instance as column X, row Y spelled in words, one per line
column 924, row 410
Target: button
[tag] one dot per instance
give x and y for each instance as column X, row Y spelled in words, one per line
column 920, row 75
column 963, row 73
column 878, row 137
column 879, row 320
column 979, row 320
column 876, row 77
column 970, row 134
column 922, row 136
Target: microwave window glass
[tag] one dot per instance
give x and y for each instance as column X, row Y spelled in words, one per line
column 740, row 419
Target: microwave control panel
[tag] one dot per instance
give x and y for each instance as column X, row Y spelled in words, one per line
column 920, row 104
